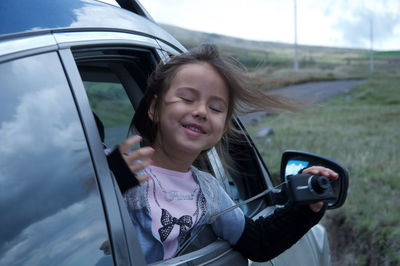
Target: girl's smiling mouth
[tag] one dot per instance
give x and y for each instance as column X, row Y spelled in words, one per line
column 194, row 127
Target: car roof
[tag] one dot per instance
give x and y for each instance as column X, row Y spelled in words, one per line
column 21, row 18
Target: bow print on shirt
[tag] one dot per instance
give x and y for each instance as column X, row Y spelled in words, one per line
column 168, row 222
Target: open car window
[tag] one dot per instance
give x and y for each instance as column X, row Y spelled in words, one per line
column 114, row 80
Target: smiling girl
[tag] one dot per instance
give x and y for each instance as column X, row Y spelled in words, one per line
column 187, row 110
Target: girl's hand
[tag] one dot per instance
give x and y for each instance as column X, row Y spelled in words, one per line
column 319, row 170
column 137, row 159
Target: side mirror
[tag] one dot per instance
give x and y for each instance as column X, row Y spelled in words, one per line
column 293, row 161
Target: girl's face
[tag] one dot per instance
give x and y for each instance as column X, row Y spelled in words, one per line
column 193, row 113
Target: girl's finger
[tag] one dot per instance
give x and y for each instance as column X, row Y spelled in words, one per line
column 125, row 146
column 140, row 165
column 139, row 154
column 319, row 170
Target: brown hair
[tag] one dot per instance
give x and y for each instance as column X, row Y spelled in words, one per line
column 243, row 96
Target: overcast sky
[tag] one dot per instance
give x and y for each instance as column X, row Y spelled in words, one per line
column 340, row 23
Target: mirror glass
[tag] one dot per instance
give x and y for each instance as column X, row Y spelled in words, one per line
column 294, row 166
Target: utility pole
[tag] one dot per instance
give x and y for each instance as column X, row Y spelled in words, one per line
column 295, row 63
column 371, row 36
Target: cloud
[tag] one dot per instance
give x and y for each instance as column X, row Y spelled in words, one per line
column 355, row 26
column 60, row 240
column 330, row 23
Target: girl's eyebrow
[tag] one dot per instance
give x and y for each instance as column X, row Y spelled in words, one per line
column 217, row 98
column 181, row 89
column 214, row 97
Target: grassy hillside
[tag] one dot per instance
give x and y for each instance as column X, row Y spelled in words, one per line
column 272, row 62
column 362, row 131
column 261, row 54
column 388, row 54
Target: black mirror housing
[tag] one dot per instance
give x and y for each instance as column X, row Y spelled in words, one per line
column 294, row 161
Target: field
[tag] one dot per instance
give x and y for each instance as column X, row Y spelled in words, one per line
column 360, row 129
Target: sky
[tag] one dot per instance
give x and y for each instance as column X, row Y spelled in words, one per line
column 336, row 23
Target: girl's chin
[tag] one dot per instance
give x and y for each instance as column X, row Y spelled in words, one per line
column 193, row 150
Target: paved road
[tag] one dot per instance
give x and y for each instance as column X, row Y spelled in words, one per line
column 317, row 91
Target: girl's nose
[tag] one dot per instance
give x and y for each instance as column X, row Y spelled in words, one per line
column 200, row 111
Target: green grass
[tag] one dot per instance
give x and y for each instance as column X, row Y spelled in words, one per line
column 110, row 103
column 362, row 131
column 387, row 54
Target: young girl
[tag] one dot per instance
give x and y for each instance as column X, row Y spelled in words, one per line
column 186, row 111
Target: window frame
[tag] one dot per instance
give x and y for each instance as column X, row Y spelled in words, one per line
column 121, row 66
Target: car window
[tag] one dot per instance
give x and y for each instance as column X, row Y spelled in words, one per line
column 51, row 212
column 114, row 81
column 109, row 102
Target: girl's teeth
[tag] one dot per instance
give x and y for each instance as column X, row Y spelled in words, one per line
column 194, row 129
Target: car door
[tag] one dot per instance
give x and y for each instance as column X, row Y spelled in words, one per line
column 51, row 207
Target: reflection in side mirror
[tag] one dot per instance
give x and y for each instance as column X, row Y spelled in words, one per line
column 294, row 161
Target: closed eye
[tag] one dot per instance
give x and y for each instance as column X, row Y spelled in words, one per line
column 217, row 110
column 186, row 99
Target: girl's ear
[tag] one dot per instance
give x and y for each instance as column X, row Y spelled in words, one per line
column 151, row 110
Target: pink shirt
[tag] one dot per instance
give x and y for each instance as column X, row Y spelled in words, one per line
column 175, row 205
